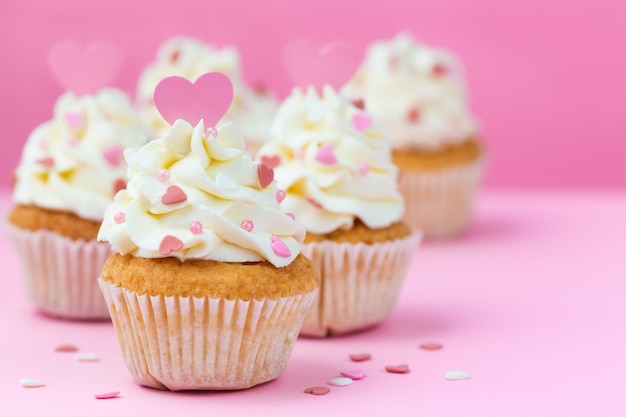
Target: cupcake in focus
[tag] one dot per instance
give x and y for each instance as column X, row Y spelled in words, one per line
column 418, row 94
column 334, row 165
column 252, row 109
column 70, row 169
column 207, row 287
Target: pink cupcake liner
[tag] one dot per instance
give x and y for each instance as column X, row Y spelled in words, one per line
column 60, row 274
column 190, row 343
column 441, row 202
column 360, row 283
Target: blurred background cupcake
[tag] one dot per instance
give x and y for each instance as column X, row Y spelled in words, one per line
column 334, row 165
column 418, row 94
column 252, row 108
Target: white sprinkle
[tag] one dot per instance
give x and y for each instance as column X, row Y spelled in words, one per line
column 31, row 383
column 340, row 381
column 456, row 375
column 86, row 357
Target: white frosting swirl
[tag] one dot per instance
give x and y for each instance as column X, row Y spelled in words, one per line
column 225, row 215
column 190, row 58
column 416, row 92
column 74, row 162
column 332, row 171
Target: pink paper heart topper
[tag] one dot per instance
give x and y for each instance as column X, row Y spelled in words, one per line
column 208, row 98
column 84, row 70
column 333, row 64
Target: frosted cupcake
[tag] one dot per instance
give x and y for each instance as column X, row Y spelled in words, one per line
column 334, row 165
column 70, row 169
column 418, row 94
column 251, row 110
column 207, row 287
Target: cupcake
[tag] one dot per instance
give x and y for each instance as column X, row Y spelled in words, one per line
column 252, row 109
column 417, row 93
column 207, row 287
column 334, row 165
column 70, row 169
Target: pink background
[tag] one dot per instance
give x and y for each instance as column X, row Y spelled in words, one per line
column 547, row 77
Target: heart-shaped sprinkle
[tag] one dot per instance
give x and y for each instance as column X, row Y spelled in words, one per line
column 73, row 120
column 87, row 357
column 279, row 247
column 341, row 381
column 361, row 121
column 206, row 99
column 66, row 347
column 164, row 175
column 290, row 215
column 119, row 217
column 314, row 202
column 360, row 357
column 119, row 185
column 247, row 225
column 397, row 369
column 431, row 346
column 170, row 244
column 46, row 162
column 106, row 394
column 298, row 153
column 354, row 374
column 31, row 383
column 333, row 64
column 326, row 154
column 317, row 390
column 266, row 175
column 456, row 375
column 363, row 168
column 414, row 115
column 280, row 196
column 195, row 228
column 359, row 104
column 271, row 161
column 173, row 195
column 84, row 70
column 439, row 69
column 113, row 155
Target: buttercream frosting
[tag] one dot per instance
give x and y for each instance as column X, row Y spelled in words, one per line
column 417, row 92
column 334, row 163
column 198, row 195
column 189, row 58
column 74, row 162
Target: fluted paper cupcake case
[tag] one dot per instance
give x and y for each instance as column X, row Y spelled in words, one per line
column 60, row 274
column 191, row 343
column 360, row 283
column 441, row 202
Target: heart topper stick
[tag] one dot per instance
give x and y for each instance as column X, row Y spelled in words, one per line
column 208, row 98
column 84, row 70
column 333, row 64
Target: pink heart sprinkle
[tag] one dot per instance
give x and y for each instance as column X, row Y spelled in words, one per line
column 66, row 347
column 119, row 185
column 271, row 161
column 169, row 244
column 353, row 374
column 439, row 69
column 47, row 162
column 359, row 104
column 279, row 247
column 290, row 215
column 361, row 121
column 360, row 357
column 266, row 175
column 103, row 395
column 317, row 390
column 314, row 202
column 119, row 217
column 113, row 155
column 326, row 154
column 208, row 98
column 73, row 120
column 247, row 225
column 280, row 196
column 363, row 168
column 397, row 369
column 414, row 115
column 195, row 228
column 431, row 346
column 173, row 195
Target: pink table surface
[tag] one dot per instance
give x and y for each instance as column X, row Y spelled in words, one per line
column 530, row 302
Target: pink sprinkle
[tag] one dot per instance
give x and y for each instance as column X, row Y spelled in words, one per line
column 317, row 390
column 173, row 195
column 360, row 357
column 195, row 228
column 113, row 155
column 266, row 175
column 363, row 168
column 271, row 161
column 119, row 217
column 119, row 185
column 290, row 215
column 280, row 196
column 414, row 115
column 431, row 346
column 247, row 225
column 353, row 374
column 361, row 121
column 245, row 146
column 212, row 132
column 74, row 120
column 164, row 175
column 279, row 247
column 46, row 162
column 170, row 244
column 298, row 153
column 314, row 202
column 359, row 104
column 397, row 369
column 66, row 347
column 326, row 154
column 440, row 69
column 103, row 395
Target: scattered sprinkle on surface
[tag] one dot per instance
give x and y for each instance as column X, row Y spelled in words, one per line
column 86, row 357
column 353, row 374
column 66, row 347
column 431, row 346
column 456, row 375
column 104, row 395
column 360, row 357
column 397, row 369
column 31, row 383
column 341, row 381
column 317, row 390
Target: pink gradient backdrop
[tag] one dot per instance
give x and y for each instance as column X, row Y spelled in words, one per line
column 548, row 78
